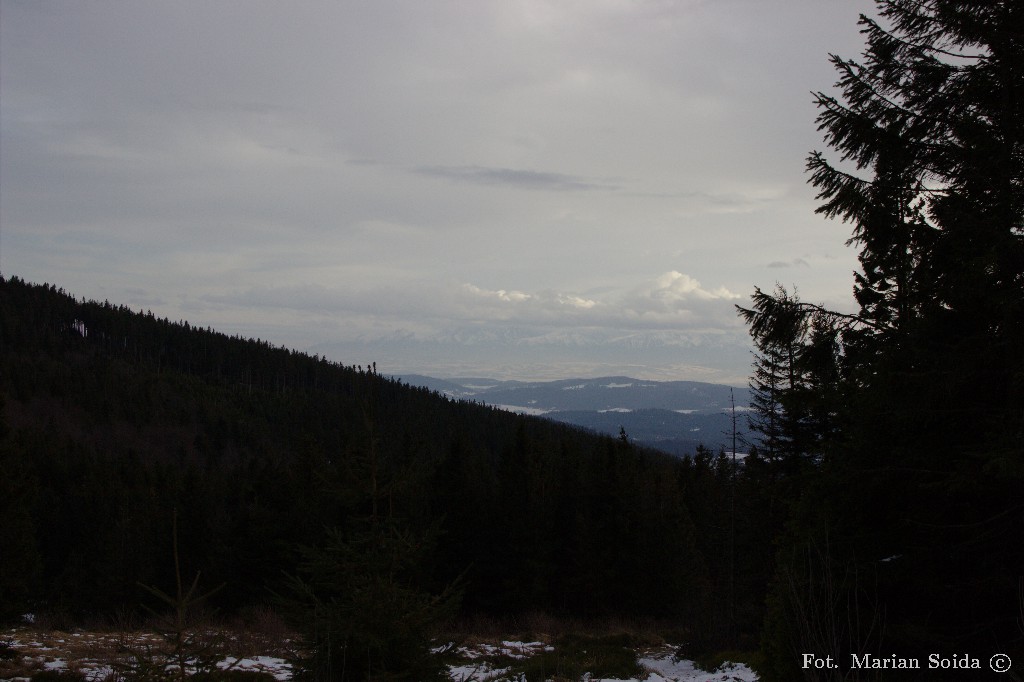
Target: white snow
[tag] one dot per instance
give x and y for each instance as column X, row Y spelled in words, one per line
column 278, row 667
column 474, row 670
column 665, row 667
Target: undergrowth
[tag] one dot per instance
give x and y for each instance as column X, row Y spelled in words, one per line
column 609, row 657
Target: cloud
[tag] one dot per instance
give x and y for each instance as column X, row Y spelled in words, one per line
column 326, row 169
column 542, row 304
column 512, row 177
column 672, row 302
column 676, row 286
column 499, row 295
column 796, row 262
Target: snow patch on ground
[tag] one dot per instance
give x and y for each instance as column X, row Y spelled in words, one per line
column 278, row 667
column 476, row 670
column 475, row 664
column 665, row 667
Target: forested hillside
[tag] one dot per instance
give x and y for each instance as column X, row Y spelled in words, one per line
column 114, row 420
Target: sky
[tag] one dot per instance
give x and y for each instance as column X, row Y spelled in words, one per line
column 516, row 189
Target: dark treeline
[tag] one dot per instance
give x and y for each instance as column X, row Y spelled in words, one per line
column 898, row 428
column 115, row 420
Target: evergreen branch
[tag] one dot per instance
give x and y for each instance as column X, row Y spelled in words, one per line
column 857, row 78
column 920, row 48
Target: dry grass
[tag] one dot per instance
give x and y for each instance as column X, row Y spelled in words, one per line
column 27, row 650
column 93, row 652
column 109, row 648
column 546, row 627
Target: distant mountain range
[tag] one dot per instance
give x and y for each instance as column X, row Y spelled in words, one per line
column 672, row 416
column 544, row 353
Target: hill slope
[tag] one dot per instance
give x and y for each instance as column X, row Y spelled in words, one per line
column 114, row 421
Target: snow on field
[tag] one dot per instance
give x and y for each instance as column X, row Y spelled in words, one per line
column 91, row 653
column 475, row 669
column 25, row 652
column 664, row 666
column 278, row 667
column 661, row 665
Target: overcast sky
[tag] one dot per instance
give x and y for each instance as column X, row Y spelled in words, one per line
column 513, row 188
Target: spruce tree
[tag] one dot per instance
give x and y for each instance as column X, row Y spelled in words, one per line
column 795, row 382
column 359, row 598
column 920, row 394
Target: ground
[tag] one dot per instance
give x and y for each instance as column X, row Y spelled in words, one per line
column 25, row 651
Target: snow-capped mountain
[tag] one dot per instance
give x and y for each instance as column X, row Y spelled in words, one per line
column 674, row 416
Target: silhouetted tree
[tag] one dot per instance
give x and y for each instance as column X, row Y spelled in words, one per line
column 918, row 396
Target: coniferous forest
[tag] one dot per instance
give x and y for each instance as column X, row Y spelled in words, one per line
column 117, row 422
column 879, row 513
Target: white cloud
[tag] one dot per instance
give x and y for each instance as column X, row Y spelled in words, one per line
column 676, row 286
column 672, row 303
column 500, row 294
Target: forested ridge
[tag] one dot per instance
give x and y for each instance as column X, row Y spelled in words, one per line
column 115, row 420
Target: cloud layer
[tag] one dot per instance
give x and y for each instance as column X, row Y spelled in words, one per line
column 328, row 171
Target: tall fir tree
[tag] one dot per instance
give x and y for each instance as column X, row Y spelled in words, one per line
column 916, row 503
column 795, row 381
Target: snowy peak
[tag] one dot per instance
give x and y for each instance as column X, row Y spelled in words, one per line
column 674, row 416
column 599, row 394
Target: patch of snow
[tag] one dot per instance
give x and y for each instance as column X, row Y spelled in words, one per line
column 616, row 409
column 574, row 388
column 665, row 667
column 617, row 385
column 103, row 672
column 475, row 672
column 278, row 667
